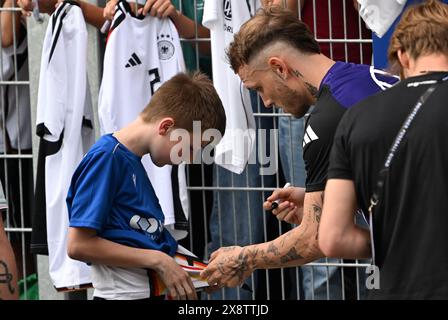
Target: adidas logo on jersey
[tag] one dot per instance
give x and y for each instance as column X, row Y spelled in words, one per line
column 309, row 136
column 133, row 61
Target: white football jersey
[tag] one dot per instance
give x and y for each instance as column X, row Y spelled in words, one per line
column 64, row 123
column 224, row 18
column 15, row 99
column 141, row 54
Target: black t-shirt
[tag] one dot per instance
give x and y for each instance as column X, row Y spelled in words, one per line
column 344, row 85
column 411, row 221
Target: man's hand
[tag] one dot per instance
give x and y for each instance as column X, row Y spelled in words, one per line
column 290, row 208
column 228, row 267
column 177, row 281
column 109, row 9
column 158, row 8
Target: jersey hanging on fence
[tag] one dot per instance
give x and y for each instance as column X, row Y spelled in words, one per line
column 64, row 124
column 224, row 18
column 141, row 54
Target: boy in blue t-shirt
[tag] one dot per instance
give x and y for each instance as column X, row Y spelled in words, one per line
column 116, row 222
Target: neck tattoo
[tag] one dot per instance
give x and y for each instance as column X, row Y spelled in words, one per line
column 312, row 89
column 297, row 73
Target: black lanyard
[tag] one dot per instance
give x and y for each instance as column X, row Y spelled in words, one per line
column 392, row 151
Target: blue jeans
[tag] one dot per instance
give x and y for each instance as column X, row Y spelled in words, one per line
column 238, row 217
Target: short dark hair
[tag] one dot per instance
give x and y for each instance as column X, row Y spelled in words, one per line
column 187, row 98
column 269, row 25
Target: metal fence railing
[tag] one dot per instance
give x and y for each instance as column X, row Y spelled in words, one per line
column 16, row 173
column 215, row 196
column 340, row 31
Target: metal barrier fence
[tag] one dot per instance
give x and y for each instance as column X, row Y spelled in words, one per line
column 236, row 200
column 343, row 36
column 15, row 146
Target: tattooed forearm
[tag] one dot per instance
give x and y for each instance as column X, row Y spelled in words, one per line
column 284, row 237
column 269, row 260
column 292, row 255
column 266, row 260
column 6, row 277
column 252, row 253
column 272, row 248
column 317, row 211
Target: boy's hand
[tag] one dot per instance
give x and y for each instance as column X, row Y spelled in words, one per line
column 177, row 281
column 290, row 208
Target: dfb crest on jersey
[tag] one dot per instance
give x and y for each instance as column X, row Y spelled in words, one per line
column 227, row 9
column 166, row 47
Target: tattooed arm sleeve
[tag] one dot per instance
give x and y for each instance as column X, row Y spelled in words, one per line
column 296, row 247
column 229, row 266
